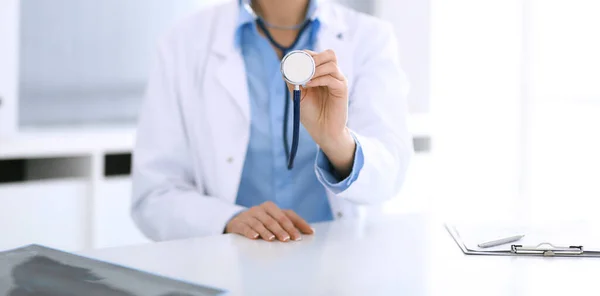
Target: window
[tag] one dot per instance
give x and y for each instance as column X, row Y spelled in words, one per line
column 475, row 107
column 516, row 108
column 563, row 105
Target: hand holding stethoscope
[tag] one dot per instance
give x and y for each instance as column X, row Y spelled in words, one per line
column 320, row 98
column 323, row 102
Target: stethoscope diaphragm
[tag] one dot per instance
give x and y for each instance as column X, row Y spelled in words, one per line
column 298, row 67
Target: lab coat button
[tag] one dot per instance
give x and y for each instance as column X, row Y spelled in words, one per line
column 230, row 160
column 340, row 214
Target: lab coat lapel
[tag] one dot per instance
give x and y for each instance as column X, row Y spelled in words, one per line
column 230, row 104
column 231, row 73
column 232, row 77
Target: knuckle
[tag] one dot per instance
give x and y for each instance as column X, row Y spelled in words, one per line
column 271, row 224
column 288, row 225
column 255, row 224
column 243, row 229
column 332, row 54
column 283, row 220
column 268, row 204
column 237, row 223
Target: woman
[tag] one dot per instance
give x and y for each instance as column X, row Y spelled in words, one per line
column 212, row 148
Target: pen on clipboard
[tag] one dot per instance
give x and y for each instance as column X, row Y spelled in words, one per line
column 501, row 241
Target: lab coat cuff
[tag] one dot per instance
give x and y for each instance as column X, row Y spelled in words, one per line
column 329, row 177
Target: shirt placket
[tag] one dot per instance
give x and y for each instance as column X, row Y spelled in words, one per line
column 277, row 104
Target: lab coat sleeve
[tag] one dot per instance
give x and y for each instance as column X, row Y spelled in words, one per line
column 328, row 176
column 377, row 116
column 168, row 197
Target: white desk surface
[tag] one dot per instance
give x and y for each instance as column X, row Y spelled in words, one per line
column 397, row 255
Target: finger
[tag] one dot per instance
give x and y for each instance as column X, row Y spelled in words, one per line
column 261, row 229
column 284, row 222
column 273, row 226
column 300, row 223
column 330, row 68
column 245, row 230
column 323, row 57
column 326, row 80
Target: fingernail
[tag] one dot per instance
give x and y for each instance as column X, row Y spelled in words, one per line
column 287, row 238
column 298, row 238
column 272, row 237
column 256, row 235
column 313, row 230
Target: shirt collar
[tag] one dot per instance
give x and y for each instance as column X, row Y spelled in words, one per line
column 247, row 16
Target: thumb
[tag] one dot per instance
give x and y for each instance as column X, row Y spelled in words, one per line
column 290, row 87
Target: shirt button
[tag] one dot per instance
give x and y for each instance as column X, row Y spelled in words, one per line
column 230, row 160
column 340, row 214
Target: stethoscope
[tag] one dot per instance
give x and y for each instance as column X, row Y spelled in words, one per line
column 297, row 68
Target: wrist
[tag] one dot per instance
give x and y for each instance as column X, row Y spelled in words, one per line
column 339, row 141
column 340, row 152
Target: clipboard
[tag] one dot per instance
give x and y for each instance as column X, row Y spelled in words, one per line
column 541, row 249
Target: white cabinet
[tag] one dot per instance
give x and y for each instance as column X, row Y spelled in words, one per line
column 52, row 213
column 9, row 23
column 75, row 207
column 68, row 214
column 113, row 225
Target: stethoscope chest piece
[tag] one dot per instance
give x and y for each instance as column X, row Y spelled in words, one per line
column 298, row 67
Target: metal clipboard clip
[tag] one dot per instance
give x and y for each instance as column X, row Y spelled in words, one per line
column 546, row 250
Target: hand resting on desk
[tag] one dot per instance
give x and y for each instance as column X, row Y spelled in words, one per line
column 268, row 222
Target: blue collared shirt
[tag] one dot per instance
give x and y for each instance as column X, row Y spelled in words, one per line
column 265, row 176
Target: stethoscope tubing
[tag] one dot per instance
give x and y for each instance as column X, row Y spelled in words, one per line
column 290, row 153
column 296, row 130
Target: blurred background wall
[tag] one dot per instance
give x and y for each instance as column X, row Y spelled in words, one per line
column 504, row 108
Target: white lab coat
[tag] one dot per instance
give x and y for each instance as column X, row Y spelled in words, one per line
column 195, row 123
